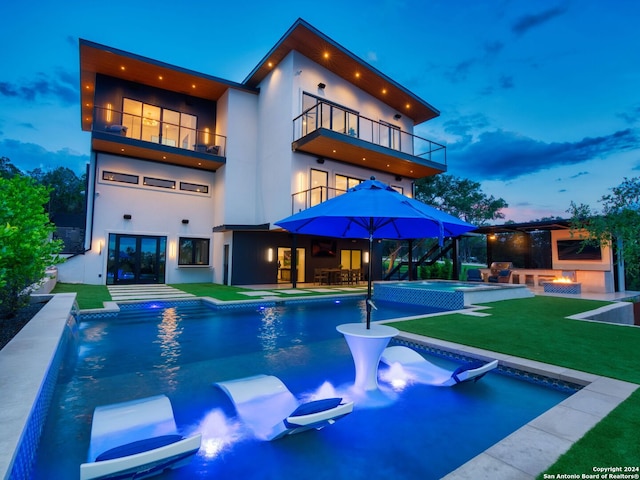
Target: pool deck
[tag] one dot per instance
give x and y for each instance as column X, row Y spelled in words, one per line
column 522, row 455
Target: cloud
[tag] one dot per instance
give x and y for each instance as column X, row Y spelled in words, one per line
column 464, row 125
column 29, row 156
column 632, row 116
column 460, row 71
column 527, row 22
column 61, row 86
column 502, row 155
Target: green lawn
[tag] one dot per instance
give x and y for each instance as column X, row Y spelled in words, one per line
column 88, row 296
column 536, row 328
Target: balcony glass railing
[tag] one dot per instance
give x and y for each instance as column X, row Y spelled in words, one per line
column 349, row 123
column 159, row 132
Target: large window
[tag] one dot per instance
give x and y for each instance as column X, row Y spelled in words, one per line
column 159, row 125
column 193, row 251
column 344, row 183
column 319, row 184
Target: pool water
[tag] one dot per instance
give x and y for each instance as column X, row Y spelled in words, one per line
column 415, row 432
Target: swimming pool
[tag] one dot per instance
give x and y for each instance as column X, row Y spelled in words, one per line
column 182, row 349
column 446, row 294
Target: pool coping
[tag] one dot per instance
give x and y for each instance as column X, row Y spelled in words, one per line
column 536, row 446
column 26, row 360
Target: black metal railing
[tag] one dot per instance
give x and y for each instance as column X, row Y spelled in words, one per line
column 159, row 132
column 350, row 123
column 313, row 196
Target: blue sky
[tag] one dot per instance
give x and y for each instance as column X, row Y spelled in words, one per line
column 539, row 101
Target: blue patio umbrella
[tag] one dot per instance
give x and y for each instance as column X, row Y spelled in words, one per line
column 374, row 210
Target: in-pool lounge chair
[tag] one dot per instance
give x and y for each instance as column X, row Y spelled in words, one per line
column 426, row 372
column 136, row 439
column 271, row 411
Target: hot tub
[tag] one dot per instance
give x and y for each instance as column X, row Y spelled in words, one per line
column 446, row 294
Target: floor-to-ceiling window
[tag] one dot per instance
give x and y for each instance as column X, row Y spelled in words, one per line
column 344, row 183
column 319, row 183
column 159, row 125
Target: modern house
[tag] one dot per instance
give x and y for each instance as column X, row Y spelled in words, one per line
column 189, row 172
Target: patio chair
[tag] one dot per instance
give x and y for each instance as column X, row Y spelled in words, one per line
column 420, row 369
column 132, row 439
column 500, row 272
column 474, row 275
column 271, row 411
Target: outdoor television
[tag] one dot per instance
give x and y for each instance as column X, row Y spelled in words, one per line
column 323, row 248
column 577, row 250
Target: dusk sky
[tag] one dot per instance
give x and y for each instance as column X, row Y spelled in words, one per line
column 539, row 101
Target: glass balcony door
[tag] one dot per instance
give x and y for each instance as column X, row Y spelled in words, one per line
column 136, row 259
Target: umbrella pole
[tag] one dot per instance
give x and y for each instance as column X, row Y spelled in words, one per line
column 368, row 302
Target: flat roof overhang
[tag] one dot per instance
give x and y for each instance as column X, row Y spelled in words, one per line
column 123, row 146
column 327, row 144
column 525, row 227
column 100, row 59
column 313, row 44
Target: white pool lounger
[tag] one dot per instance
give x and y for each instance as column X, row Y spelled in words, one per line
column 268, row 408
column 426, row 372
column 136, row 439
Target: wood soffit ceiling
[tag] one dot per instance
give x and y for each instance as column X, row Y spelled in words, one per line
column 99, row 59
column 301, row 37
column 319, row 48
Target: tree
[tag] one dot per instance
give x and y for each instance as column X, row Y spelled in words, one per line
column 619, row 220
column 461, row 198
column 67, row 190
column 464, row 199
column 8, row 169
column 25, row 246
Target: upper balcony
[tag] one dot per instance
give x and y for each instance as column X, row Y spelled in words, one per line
column 147, row 138
column 332, row 132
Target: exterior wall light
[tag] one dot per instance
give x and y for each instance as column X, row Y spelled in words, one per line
column 269, row 255
column 185, row 221
column 397, row 116
column 127, row 216
column 321, row 86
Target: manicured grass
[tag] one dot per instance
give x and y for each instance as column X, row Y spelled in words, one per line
column 228, row 293
column 221, row 292
column 536, row 328
column 89, row 296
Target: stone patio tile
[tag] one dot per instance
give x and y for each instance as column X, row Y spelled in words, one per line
column 486, row 467
column 565, row 422
column 613, row 387
column 530, row 450
column 594, row 403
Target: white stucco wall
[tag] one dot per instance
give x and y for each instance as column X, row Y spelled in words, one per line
column 281, row 172
column 154, row 211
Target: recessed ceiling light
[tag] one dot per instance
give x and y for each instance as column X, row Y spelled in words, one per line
column 326, row 54
column 159, row 77
column 384, row 90
column 357, row 74
column 193, row 86
column 122, row 67
column 270, row 64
